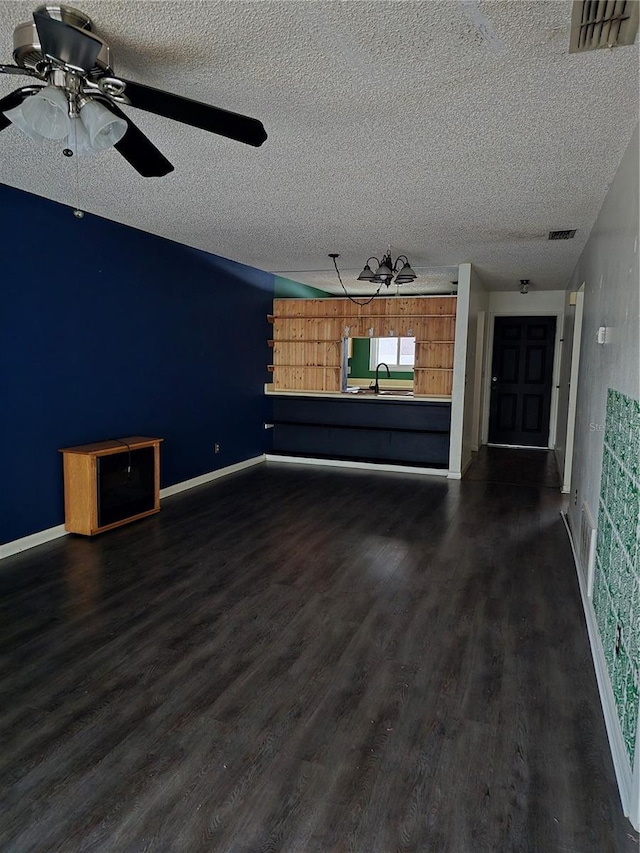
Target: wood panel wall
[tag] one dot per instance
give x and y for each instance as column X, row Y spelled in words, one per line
column 308, row 338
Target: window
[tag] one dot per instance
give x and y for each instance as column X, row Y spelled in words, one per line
column 398, row 353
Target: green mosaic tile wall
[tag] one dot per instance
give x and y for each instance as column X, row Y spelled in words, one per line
column 616, row 590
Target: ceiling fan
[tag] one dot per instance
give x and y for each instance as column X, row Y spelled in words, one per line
column 80, row 97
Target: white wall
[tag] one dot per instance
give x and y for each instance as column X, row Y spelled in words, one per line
column 543, row 303
column 459, row 371
column 568, row 384
column 478, row 303
column 473, row 299
column 563, row 382
column 512, row 303
column 609, row 268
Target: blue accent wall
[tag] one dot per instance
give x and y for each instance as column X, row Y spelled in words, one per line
column 107, row 331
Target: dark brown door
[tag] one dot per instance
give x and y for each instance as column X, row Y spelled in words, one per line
column 521, row 377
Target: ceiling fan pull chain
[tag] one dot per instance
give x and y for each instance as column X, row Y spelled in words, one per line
column 78, row 213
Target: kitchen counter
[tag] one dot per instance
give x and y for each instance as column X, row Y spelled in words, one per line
column 350, row 395
column 409, row 430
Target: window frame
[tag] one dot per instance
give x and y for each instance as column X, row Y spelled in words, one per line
column 374, row 358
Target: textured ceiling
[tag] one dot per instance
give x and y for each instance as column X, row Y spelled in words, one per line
column 454, row 131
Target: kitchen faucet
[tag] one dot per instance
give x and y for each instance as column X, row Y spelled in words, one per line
column 376, row 385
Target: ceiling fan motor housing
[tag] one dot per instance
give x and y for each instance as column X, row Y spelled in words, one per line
column 27, row 51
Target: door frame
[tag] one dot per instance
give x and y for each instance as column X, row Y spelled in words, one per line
column 573, row 391
column 534, row 311
column 479, row 373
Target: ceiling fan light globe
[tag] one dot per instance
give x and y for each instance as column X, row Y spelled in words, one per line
column 16, row 117
column 78, row 140
column 366, row 274
column 383, row 273
column 104, row 128
column 47, row 113
column 407, row 273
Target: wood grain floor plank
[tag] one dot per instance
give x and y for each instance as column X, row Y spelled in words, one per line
column 299, row 659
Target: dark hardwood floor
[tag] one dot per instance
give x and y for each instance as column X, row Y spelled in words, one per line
column 520, row 466
column 302, row 659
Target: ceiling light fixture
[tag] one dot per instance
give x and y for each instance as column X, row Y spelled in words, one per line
column 524, row 286
column 387, row 271
column 50, row 113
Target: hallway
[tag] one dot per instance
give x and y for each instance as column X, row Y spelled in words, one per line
column 515, row 467
column 307, row 660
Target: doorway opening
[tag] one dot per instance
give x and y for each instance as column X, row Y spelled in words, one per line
column 521, row 381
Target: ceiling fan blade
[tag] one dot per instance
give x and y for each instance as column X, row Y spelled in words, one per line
column 17, row 69
column 214, row 119
column 139, row 151
column 66, row 43
column 14, row 100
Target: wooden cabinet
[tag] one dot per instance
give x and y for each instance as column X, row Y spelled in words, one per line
column 308, row 337
column 110, row 483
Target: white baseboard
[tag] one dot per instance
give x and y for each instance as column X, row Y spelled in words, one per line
column 627, row 785
column 31, row 541
column 42, row 536
column 367, row 466
column 212, row 475
column 519, row 446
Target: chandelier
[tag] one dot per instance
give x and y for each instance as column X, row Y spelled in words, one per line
column 388, row 271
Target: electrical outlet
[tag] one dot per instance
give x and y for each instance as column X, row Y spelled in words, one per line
column 618, row 638
column 216, row 448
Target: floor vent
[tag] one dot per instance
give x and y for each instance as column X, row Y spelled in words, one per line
column 587, row 547
column 562, row 235
column 603, row 23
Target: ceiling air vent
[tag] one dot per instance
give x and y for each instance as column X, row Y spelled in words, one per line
column 562, row 235
column 603, row 23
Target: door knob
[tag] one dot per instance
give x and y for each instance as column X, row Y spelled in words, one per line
column 494, row 378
